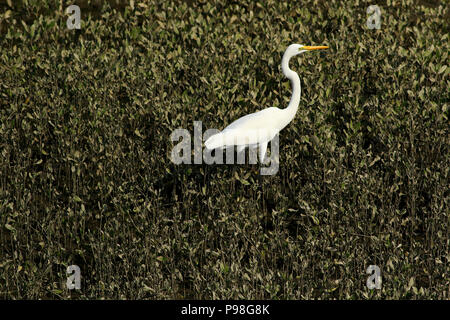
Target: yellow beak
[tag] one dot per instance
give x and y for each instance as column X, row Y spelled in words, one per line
column 314, row 47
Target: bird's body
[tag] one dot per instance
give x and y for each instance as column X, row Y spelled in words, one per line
column 257, row 129
column 253, row 130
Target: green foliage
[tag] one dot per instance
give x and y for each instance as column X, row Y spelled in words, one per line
column 85, row 171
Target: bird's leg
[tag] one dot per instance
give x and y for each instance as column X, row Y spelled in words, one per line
column 262, row 151
column 205, row 178
column 261, row 188
column 233, row 178
column 262, row 194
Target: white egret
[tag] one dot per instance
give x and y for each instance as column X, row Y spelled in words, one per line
column 257, row 129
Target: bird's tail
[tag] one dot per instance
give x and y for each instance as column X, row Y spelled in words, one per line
column 215, row 141
column 231, row 137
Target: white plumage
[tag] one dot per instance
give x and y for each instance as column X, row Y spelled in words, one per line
column 257, row 129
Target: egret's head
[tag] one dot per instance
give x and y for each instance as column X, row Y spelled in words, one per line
column 295, row 49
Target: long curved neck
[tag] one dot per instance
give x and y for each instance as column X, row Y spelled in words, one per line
column 292, row 108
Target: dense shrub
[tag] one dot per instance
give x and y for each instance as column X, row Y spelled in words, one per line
column 85, row 171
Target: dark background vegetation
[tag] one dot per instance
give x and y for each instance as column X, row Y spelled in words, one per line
column 85, row 171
